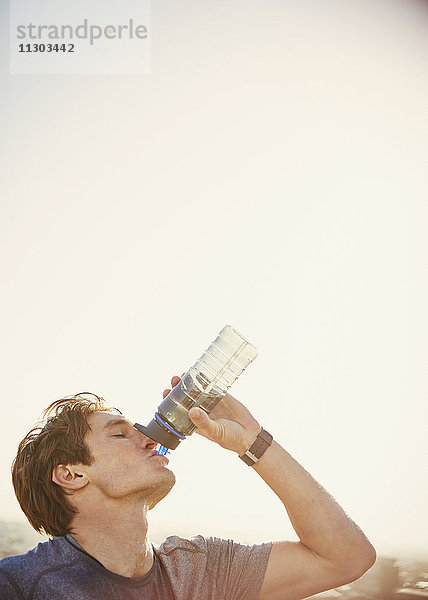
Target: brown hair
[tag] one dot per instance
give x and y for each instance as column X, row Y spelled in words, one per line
column 58, row 439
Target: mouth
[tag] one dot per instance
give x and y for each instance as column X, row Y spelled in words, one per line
column 156, row 454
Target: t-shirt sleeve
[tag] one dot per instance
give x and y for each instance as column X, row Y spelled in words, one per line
column 242, row 567
column 8, row 588
column 211, row 568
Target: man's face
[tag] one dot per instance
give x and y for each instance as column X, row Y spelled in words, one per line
column 126, row 465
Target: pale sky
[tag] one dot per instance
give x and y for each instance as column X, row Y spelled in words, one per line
column 269, row 173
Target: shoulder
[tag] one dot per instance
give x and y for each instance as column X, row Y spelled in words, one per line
column 186, row 563
column 182, row 555
column 18, row 572
column 211, row 546
column 174, row 543
column 198, row 545
column 193, row 566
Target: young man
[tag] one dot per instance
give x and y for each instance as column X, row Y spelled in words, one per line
column 88, row 478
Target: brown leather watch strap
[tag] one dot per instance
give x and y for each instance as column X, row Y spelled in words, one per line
column 257, row 449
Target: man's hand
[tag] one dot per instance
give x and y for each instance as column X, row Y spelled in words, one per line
column 230, row 424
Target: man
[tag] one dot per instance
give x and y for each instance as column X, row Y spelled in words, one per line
column 88, row 478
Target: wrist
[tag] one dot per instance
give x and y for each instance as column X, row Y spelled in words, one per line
column 257, row 449
column 248, row 439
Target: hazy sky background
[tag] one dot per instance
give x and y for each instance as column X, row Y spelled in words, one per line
column 270, row 173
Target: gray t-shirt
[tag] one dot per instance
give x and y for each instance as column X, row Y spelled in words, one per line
column 184, row 569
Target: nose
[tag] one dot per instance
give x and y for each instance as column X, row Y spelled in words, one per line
column 144, row 441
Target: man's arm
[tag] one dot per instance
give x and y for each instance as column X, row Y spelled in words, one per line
column 332, row 549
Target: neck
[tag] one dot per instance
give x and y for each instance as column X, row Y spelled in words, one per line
column 117, row 538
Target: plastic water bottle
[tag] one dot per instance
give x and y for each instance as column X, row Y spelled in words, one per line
column 203, row 386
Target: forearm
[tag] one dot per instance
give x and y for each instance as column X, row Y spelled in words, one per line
column 319, row 521
column 321, row 524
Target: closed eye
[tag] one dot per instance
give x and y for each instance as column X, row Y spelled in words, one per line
column 118, row 435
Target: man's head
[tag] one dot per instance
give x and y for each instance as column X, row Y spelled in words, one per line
column 83, row 452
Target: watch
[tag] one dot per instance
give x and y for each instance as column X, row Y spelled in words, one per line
column 257, row 449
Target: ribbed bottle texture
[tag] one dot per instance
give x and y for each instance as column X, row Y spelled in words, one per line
column 203, row 386
column 219, row 366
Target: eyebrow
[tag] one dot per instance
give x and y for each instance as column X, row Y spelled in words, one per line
column 112, row 422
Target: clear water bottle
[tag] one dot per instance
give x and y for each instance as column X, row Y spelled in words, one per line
column 203, row 386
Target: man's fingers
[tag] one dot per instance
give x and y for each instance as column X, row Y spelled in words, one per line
column 175, row 380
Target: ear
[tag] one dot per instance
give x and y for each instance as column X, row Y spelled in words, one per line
column 70, row 477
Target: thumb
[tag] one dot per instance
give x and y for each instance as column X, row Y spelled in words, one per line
column 206, row 426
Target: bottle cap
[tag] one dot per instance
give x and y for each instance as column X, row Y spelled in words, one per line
column 160, row 434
